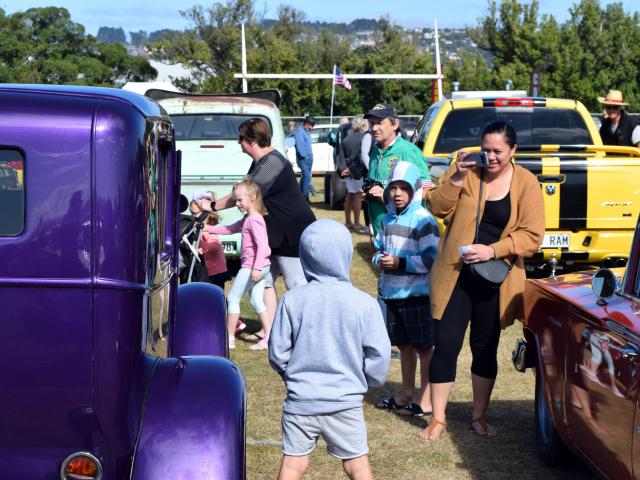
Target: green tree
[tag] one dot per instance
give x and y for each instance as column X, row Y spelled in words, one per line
column 520, row 43
column 211, row 48
column 602, row 52
column 471, row 71
column 595, row 50
column 43, row 45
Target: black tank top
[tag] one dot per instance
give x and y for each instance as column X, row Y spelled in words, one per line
column 494, row 219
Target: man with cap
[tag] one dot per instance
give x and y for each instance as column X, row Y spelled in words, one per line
column 390, row 149
column 304, row 153
column 618, row 128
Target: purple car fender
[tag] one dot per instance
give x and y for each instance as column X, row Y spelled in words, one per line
column 193, row 421
column 200, row 328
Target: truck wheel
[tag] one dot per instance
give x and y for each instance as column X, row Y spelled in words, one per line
column 327, row 188
column 337, row 193
column 550, row 447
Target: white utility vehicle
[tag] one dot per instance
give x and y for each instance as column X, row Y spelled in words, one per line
column 206, row 131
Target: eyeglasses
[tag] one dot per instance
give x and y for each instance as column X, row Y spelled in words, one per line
column 612, row 107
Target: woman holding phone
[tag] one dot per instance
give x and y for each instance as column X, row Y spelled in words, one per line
column 510, row 227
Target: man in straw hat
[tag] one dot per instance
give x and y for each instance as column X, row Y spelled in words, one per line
column 618, row 128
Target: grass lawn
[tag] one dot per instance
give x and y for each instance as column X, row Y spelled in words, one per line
column 395, row 451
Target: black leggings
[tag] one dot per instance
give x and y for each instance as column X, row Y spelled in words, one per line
column 469, row 301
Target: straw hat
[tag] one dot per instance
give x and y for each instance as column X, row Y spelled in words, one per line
column 614, row 97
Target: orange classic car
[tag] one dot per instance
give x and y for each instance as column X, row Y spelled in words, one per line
column 582, row 339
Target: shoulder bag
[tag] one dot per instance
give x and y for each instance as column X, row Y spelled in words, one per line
column 492, row 272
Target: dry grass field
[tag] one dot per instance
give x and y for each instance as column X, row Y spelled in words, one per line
column 395, row 451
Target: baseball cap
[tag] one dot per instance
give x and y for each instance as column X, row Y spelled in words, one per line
column 381, row 110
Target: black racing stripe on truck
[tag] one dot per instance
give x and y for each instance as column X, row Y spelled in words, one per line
column 573, row 193
column 558, row 148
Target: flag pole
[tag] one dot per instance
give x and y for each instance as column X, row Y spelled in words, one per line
column 333, row 94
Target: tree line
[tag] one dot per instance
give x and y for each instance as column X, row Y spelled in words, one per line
column 43, row 45
column 596, row 49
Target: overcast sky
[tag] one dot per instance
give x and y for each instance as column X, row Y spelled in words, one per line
column 159, row 14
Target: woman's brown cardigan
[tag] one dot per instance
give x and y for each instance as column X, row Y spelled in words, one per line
column 520, row 238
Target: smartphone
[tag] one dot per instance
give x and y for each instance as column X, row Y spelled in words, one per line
column 480, row 158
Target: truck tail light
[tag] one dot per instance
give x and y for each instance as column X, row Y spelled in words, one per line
column 514, row 102
column 81, row 466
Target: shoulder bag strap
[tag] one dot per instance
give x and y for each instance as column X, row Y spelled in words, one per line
column 479, row 203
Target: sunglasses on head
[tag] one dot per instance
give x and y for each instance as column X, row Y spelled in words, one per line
column 612, row 107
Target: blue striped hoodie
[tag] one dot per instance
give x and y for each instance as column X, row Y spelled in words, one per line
column 412, row 235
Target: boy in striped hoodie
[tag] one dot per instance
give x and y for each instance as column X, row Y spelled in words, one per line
column 406, row 248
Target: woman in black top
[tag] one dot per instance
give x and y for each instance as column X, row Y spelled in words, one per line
column 288, row 211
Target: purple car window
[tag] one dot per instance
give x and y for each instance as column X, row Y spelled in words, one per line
column 11, row 192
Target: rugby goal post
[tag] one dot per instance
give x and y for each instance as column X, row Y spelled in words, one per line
column 351, row 76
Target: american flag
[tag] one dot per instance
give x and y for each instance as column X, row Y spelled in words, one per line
column 341, row 79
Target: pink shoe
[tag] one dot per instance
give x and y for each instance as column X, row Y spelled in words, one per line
column 261, row 345
column 240, row 326
column 232, row 342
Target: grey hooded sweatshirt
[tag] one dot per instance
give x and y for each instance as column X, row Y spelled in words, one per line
column 328, row 341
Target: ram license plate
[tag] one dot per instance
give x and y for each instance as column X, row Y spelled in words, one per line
column 229, row 247
column 555, row 240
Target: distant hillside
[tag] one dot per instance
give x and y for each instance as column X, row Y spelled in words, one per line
column 360, row 31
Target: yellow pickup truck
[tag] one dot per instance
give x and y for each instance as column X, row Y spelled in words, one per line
column 591, row 192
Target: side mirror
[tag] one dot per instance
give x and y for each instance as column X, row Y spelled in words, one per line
column 437, row 167
column 184, row 203
column 604, row 285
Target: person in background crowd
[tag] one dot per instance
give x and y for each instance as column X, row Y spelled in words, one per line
column 352, row 169
column 254, row 258
column 328, row 353
column 304, row 154
column 390, row 149
column 336, row 137
column 511, row 227
column 406, row 247
column 618, row 128
column 288, row 215
column 211, row 249
column 289, row 137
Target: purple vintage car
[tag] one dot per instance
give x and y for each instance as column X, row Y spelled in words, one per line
column 109, row 370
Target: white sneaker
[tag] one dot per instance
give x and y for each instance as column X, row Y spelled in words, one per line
column 232, row 342
column 261, row 345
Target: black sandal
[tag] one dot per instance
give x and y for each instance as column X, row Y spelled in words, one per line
column 414, row 410
column 388, row 403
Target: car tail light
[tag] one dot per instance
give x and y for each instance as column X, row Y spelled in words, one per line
column 81, row 466
column 514, row 102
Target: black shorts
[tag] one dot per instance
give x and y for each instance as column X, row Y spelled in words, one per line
column 409, row 322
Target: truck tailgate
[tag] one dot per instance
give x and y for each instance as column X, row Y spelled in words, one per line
column 586, row 192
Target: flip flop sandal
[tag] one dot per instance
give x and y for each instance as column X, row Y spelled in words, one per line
column 240, row 326
column 433, row 424
column 483, row 431
column 388, row 403
column 253, row 336
column 413, row 409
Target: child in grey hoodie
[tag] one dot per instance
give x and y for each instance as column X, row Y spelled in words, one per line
column 329, row 344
